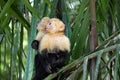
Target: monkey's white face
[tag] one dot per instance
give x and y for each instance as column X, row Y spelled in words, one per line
column 55, row 25
column 51, row 27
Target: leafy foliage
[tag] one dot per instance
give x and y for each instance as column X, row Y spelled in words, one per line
column 18, row 19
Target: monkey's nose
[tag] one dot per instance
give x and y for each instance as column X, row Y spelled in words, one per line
column 47, row 27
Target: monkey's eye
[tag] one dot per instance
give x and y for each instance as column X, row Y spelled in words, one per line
column 50, row 23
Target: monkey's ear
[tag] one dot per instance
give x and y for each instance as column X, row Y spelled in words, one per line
column 62, row 26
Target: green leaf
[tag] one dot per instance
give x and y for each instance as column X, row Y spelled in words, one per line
column 85, row 68
column 97, row 65
column 27, row 4
column 6, row 7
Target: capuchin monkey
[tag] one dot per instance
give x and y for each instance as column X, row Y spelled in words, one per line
column 52, row 51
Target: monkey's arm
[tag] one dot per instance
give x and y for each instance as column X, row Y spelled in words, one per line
column 35, row 43
column 39, row 35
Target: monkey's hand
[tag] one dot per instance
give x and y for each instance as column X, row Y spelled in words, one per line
column 35, row 44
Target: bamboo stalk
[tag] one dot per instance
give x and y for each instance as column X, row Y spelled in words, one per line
column 92, row 37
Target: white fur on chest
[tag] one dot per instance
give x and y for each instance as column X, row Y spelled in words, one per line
column 54, row 42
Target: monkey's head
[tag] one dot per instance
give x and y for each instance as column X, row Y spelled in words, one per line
column 55, row 26
column 42, row 24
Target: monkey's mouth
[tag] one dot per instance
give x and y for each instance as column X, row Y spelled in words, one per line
column 47, row 27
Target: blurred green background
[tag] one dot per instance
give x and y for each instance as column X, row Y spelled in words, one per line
column 18, row 20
